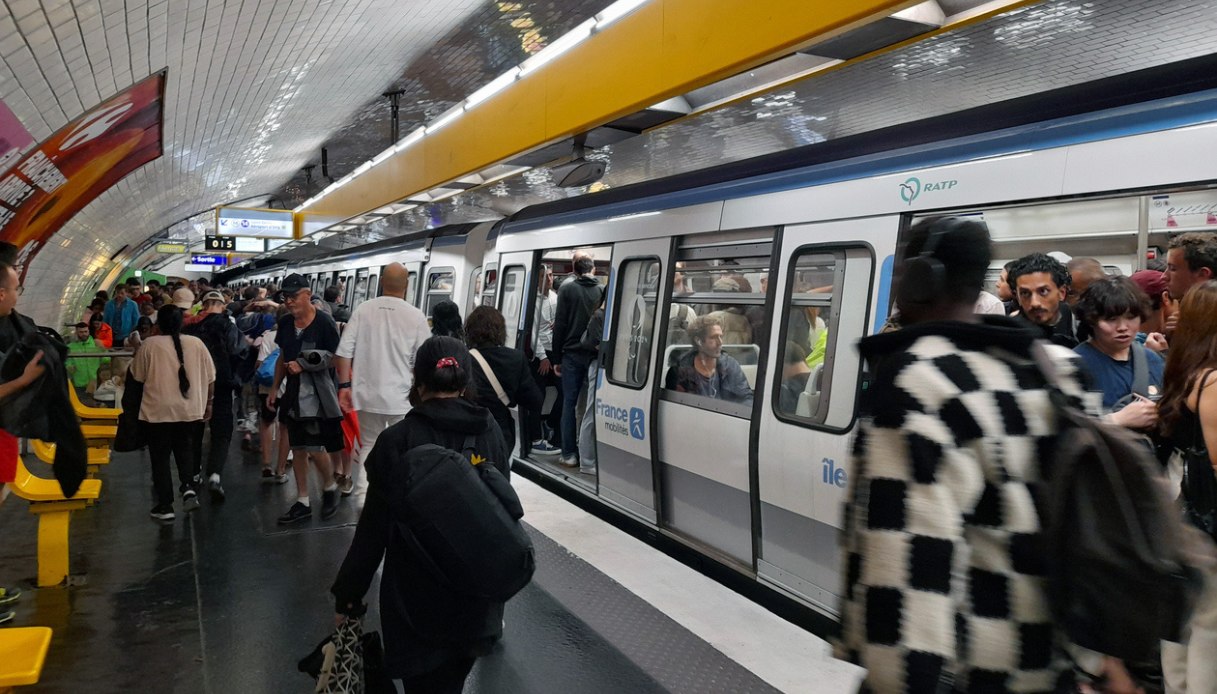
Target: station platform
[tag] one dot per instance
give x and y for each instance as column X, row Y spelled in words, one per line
column 224, row 600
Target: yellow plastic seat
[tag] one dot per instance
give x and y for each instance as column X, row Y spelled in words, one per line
column 24, row 650
column 46, row 453
column 86, row 412
column 99, row 431
column 54, row 516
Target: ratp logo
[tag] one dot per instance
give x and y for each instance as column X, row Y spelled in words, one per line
column 910, row 189
column 637, row 423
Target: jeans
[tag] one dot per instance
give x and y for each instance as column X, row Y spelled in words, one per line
column 531, row 420
column 165, row 438
column 574, row 378
column 371, row 426
column 587, row 430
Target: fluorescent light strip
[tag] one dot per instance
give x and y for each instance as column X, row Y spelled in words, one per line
column 562, row 44
column 448, row 116
column 495, row 86
column 616, row 11
column 409, row 139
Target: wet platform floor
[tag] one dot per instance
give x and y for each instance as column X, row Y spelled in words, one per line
column 224, row 600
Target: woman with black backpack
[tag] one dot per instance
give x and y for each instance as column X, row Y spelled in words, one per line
column 432, row 633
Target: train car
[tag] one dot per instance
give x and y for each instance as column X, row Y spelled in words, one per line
column 796, row 262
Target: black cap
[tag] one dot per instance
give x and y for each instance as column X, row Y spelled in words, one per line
column 293, row 283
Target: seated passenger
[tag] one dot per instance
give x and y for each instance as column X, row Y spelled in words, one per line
column 1111, row 311
column 794, row 377
column 736, row 328
column 1040, row 283
column 706, row 370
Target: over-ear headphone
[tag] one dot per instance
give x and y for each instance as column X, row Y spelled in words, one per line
column 923, row 280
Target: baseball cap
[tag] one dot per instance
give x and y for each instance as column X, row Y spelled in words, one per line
column 1151, row 282
column 183, row 298
column 293, row 283
column 211, row 296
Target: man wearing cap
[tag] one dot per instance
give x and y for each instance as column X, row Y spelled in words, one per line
column 120, row 314
column 183, row 298
column 1154, row 284
column 309, row 408
column 225, row 344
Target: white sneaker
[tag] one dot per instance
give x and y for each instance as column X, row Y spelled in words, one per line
column 570, row 461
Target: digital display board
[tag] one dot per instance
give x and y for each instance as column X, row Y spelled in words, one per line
column 266, row 224
column 248, row 245
column 219, row 243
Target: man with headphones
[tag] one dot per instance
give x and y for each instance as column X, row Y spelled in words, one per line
column 943, row 583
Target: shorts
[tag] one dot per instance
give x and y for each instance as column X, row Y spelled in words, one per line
column 265, row 413
column 314, row 435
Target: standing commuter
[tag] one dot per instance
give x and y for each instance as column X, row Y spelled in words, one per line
column 179, row 383
column 1190, row 260
column 121, row 314
column 592, row 339
column 225, row 344
column 577, row 300
column 1188, row 419
column 101, row 332
column 432, row 635
column 446, row 321
column 502, row 378
column 375, row 360
column 307, row 339
column 944, row 584
column 1083, row 272
column 1112, row 310
column 1153, row 283
column 270, row 429
column 535, row 421
column 1040, row 283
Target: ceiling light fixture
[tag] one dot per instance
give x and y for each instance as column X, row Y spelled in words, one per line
column 495, row 86
column 448, row 116
column 409, row 139
column 562, row 44
column 616, row 11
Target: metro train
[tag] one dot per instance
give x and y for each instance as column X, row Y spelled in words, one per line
column 801, row 254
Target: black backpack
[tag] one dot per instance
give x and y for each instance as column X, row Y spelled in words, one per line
column 1120, row 562
column 212, row 330
column 462, row 524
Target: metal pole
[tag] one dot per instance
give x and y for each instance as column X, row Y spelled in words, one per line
column 394, row 110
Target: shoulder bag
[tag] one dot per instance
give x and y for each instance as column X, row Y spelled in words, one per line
column 1199, row 487
column 494, row 380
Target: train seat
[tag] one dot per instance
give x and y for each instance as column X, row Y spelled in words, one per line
column 809, row 399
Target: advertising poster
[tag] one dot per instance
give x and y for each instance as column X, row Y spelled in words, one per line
column 14, row 138
column 56, row 179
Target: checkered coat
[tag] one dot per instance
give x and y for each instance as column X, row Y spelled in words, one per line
column 944, row 587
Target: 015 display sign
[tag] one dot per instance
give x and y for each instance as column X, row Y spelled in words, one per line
column 56, row 179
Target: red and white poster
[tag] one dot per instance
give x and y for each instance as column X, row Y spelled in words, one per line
column 86, row 157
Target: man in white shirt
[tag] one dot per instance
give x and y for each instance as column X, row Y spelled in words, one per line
column 542, row 343
column 375, row 360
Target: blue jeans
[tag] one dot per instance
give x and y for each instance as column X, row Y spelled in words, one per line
column 574, row 379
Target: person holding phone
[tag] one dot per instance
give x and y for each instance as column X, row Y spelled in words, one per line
column 1129, row 375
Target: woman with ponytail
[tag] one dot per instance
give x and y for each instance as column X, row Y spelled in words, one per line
column 432, row 635
column 179, row 382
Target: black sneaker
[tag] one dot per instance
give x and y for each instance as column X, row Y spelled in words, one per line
column 329, row 504
column 298, row 512
column 9, row 596
column 268, row 476
column 190, row 500
column 164, row 512
column 215, row 489
column 6, row 617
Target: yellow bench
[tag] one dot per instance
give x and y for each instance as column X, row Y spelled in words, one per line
column 46, row 453
column 86, row 412
column 24, row 650
column 100, row 432
column 54, row 516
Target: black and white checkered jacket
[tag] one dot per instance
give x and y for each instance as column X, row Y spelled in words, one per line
column 944, row 587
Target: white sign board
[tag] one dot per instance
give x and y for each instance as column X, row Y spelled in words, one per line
column 266, row 224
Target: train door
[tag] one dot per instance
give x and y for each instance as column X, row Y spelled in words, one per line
column 625, row 383
column 710, row 366
column 824, row 295
column 490, row 284
column 513, row 295
column 360, row 294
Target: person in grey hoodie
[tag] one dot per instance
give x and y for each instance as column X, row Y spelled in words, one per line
column 577, row 300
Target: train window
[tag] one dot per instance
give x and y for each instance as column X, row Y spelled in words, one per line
column 475, row 294
column 635, row 322
column 513, row 300
column 805, row 359
column 440, row 282
column 715, row 326
column 490, row 286
column 361, row 289
column 373, row 287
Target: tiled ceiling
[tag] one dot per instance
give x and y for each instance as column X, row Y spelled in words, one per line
column 254, row 90
column 1033, row 49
